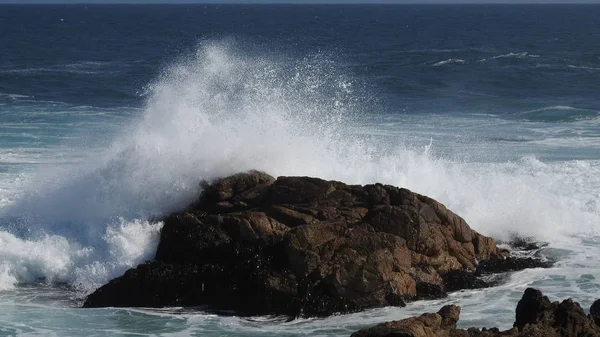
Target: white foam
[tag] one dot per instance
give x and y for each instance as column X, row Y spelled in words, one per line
column 81, row 68
column 553, row 107
column 88, row 64
column 520, row 55
column 211, row 115
column 582, row 67
column 12, row 97
column 450, row 61
column 56, row 259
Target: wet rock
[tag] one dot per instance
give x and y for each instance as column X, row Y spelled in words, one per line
column 535, row 316
column 303, row 246
column 426, row 325
column 525, row 243
column 461, row 279
column 511, row 263
column 535, row 313
column 595, row 312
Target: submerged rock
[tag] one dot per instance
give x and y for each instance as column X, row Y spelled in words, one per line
column 303, row 246
column 535, row 316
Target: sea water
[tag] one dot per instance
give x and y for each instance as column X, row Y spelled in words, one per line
column 110, row 116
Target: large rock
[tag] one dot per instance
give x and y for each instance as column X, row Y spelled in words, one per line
column 304, row 246
column 536, row 316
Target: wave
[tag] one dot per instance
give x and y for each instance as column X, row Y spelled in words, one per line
column 582, row 67
column 88, row 64
column 521, row 55
column 210, row 114
column 561, row 66
column 41, row 70
column 558, row 113
column 223, row 110
column 553, row 107
column 56, row 259
column 577, row 142
column 450, row 61
column 511, row 55
column 78, row 68
column 10, row 98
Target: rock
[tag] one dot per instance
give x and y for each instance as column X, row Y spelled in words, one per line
column 511, row 263
column 536, row 312
column 535, row 316
column 531, row 308
column 302, row 246
column 461, row 279
column 595, row 311
column 525, row 243
column 426, row 325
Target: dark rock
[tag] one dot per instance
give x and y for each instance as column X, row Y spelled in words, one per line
column 511, row 263
column 595, row 311
column 429, row 291
column 531, row 308
column 305, row 246
column 525, row 243
column 461, row 279
column 452, row 281
column 536, row 316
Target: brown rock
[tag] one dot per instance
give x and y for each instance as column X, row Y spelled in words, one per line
column 536, row 316
column 237, row 184
column 306, row 246
column 426, row 325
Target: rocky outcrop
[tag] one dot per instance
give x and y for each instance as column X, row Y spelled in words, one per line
column 536, row 316
column 439, row 324
column 595, row 311
column 305, row 246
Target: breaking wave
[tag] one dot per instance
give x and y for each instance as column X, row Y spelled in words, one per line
column 223, row 110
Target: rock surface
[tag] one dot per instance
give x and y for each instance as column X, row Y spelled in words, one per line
column 439, row 324
column 302, row 246
column 536, row 316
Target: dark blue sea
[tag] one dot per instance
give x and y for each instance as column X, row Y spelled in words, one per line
column 111, row 115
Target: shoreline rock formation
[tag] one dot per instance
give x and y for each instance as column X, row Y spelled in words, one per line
column 301, row 246
column 535, row 316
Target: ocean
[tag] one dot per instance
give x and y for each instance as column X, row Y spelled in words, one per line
column 111, row 115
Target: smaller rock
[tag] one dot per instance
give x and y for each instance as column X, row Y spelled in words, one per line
column 536, row 316
column 463, row 279
column 429, row 291
column 595, row 312
column 525, row 243
column 450, row 315
column 532, row 308
column 511, row 263
column 426, row 325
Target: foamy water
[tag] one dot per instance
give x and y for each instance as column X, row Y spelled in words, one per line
column 81, row 215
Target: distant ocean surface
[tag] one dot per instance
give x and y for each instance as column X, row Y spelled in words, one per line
column 111, row 115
